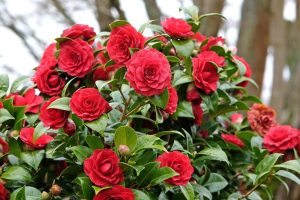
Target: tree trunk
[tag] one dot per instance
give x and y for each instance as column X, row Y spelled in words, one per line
column 153, row 11
column 210, row 26
column 254, row 37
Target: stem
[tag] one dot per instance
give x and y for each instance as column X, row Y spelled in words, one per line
column 250, row 191
column 125, row 116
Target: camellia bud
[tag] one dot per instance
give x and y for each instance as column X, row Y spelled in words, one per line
column 236, row 118
column 69, row 127
column 55, row 190
column 14, row 133
column 124, row 150
column 45, row 195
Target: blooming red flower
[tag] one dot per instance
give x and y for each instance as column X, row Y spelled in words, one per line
column 198, row 112
column 26, row 135
column 33, row 101
column 179, row 163
column 212, row 41
column 236, row 118
column 51, row 117
column 211, row 56
column 261, row 118
column 69, row 127
column 117, row 192
column 103, row 168
column 121, row 39
column 192, row 94
column 173, row 100
column 199, row 37
column 48, row 59
column 18, row 100
column 1, row 105
column 48, row 81
column 205, row 74
column 88, row 104
column 281, row 138
column 177, row 28
column 76, row 57
column 248, row 72
column 4, row 147
column 80, row 31
column 233, row 139
column 148, row 72
column 4, row 193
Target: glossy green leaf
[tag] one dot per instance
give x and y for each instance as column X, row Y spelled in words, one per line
column 26, row 193
column 265, row 166
column 146, row 175
column 293, row 165
column 33, row 158
column 188, row 191
column 94, row 142
column 180, row 78
column 173, row 59
column 184, row 47
column 16, row 173
column 14, row 147
column 140, row 195
column 64, row 91
column 202, row 191
column 145, row 25
column 192, row 11
column 86, row 187
column 214, row 154
column 5, row 115
column 81, row 152
column 216, row 182
column 160, row 100
column 126, row 135
column 163, row 133
column 184, row 109
column 162, row 174
column 288, row 175
column 4, row 82
column 118, row 23
column 98, row 125
column 19, row 81
column 61, row 104
column 39, row 130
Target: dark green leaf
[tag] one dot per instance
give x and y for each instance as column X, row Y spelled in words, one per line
column 98, row 125
column 173, row 59
column 19, row 81
column 39, row 130
column 184, row 109
column 288, row 175
column 126, row 135
column 163, row 133
column 192, row 11
column 180, row 78
column 188, row 191
column 61, row 104
column 147, row 174
column 63, row 93
column 160, row 100
column 211, row 14
column 14, row 147
column 81, row 152
column 140, row 195
column 86, row 186
column 5, row 115
column 216, row 182
column 33, row 158
column 16, row 173
column 4, row 82
column 117, row 23
column 214, row 154
column 291, row 165
column 202, row 191
column 145, row 25
column 265, row 166
column 26, row 193
column 184, row 47
column 94, row 142
column 162, row 174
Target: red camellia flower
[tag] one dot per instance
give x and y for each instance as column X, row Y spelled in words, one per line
column 177, row 28
column 51, row 117
column 199, row 37
column 148, row 72
column 33, row 101
column 48, row 81
column 281, row 138
column 26, row 135
column 205, row 74
column 248, row 72
column 4, row 194
column 179, row 163
column 48, row 59
column 194, row 97
column 212, row 41
column 88, row 104
column 211, row 56
column 233, row 139
column 1, row 105
column 261, row 118
column 103, row 168
column 4, row 147
column 18, row 100
column 236, row 118
column 173, row 100
column 80, row 31
column 117, row 192
column 121, row 39
column 76, row 57
column 69, row 127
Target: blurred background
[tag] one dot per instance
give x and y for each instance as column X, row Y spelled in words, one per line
column 265, row 32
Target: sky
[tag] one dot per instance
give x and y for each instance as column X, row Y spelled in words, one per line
column 14, row 54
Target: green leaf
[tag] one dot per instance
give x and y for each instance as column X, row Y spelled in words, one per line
column 146, row 175
column 86, row 186
column 173, row 59
column 63, row 93
column 117, row 23
column 2, row 93
column 98, row 125
column 145, row 25
column 39, row 130
column 214, row 154
column 184, row 109
column 61, row 104
column 14, row 147
column 33, row 158
column 189, row 141
column 291, row 165
column 5, row 115
column 188, row 191
column 192, row 11
column 288, row 175
column 119, row 74
column 216, row 182
column 19, row 81
column 4, row 82
column 163, row 133
column 26, row 193
column 19, row 113
column 184, row 47
column 162, row 174
column 126, row 136
column 202, row 191
column 16, row 173
column 211, row 14
column 94, row 142
column 180, row 78
column 158, row 116
column 241, row 67
column 146, row 141
column 81, row 152
column 140, row 195
column 265, row 166
column 160, row 100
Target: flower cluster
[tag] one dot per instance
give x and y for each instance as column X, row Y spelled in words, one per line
column 123, row 116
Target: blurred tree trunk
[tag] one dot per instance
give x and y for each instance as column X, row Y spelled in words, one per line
column 210, row 26
column 254, row 38
column 61, row 9
column 153, row 10
column 277, row 41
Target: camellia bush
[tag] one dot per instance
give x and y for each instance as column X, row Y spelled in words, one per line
column 121, row 116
